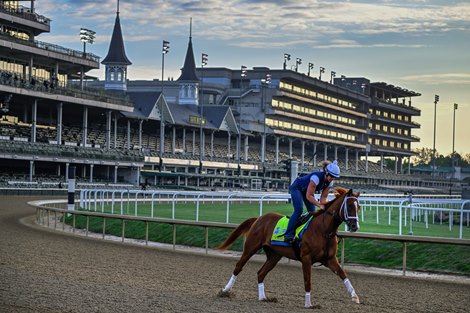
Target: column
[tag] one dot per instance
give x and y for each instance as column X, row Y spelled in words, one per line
column 85, row 126
column 184, row 140
column 228, row 145
column 263, row 148
column 34, row 113
column 115, row 130
column 67, row 171
column 367, row 162
column 115, row 173
column 140, row 133
column 194, row 142
column 409, row 165
column 347, row 159
column 381, row 163
column 31, row 170
column 396, row 165
column 59, row 123
column 91, row 172
column 302, row 153
column 173, row 140
column 336, row 152
column 277, row 150
column 315, row 154
column 290, row 148
column 357, row 160
column 108, row 129
column 246, row 148
column 325, row 151
column 128, row 134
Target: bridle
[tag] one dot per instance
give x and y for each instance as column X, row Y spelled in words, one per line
column 343, row 214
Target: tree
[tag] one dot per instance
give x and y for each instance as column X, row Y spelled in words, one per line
column 423, row 156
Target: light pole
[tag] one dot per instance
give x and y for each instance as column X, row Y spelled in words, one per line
column 86, row 35
column 310, row 67
column 243, row 73
column 343, row 78
column 436, row 100
column 453, row 142
column 204, row 60
column 298, row 61
column 286, row 58
column 322, row 70
column 165, row 50
column 264, row 84
column 333, row 75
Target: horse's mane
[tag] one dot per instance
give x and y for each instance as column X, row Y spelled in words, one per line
column 340, row 191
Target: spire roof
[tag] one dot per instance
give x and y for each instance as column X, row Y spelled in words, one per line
column 188, row 72
column 116, row 52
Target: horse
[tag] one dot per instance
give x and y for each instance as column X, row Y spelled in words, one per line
column 318, row 244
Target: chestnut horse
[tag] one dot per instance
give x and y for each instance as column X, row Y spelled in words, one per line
column 318, row 244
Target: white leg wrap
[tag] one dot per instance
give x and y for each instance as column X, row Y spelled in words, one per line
column 230, row 283
column 351, row 291
column 261, row 294
column 308, row 301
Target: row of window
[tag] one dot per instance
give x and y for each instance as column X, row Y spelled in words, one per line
column 389, row 129
column 309, row 129
column 313, row 112
column 388, row 143
column 116, row 73
column 315, row 94
column 22, row 71
column 390, row 115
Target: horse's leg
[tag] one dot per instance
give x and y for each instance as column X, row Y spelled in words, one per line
column 248, row 252
column 334, row 266
column 272, row 259
column 307, row 271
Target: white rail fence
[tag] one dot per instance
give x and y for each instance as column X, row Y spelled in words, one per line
column 427, row 209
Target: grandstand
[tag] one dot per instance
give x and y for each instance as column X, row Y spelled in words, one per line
column 211, row 128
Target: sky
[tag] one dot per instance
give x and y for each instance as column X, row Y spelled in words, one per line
column 420, row 45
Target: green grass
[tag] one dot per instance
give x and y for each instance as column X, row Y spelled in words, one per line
column 420, row 257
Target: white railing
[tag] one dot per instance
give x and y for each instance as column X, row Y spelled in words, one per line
column 126, row 202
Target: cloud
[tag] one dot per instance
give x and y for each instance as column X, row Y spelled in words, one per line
column 439, row 79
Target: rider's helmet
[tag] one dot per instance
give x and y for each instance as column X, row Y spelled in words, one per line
column 332, row 169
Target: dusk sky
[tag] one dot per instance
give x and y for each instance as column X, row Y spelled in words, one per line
column 420, row 45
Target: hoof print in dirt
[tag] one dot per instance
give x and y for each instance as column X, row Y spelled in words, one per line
column 273, row 300
column 224, row 294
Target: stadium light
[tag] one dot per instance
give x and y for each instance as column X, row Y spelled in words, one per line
column 436, row 100
column 310, row 67
column 165, row 50
column 333, row 75
column 298, row 61
column 204, row 61
column 453, row 141
column 87, row 36
column 243, row 74
column 322, row 70
column 286, row 58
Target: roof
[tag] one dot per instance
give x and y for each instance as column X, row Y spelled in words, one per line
column 144, row 104
column 188, row 72
column 395, row 89
column 116, row 52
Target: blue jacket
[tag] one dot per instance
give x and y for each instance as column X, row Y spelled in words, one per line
column 301, row 183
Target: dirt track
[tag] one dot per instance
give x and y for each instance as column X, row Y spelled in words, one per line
column 44, row 271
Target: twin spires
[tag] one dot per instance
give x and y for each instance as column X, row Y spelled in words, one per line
column 116, row 61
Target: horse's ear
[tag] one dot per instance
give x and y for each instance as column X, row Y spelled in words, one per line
column 350, row 192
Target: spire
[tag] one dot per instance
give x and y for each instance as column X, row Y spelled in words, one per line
column 116, row 52
column 188, row 72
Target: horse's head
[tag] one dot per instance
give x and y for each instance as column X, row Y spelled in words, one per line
column 349, row 209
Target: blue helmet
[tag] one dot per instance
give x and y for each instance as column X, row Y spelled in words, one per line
column 332, row 169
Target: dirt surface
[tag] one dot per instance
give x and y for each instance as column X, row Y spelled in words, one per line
column 47, row 271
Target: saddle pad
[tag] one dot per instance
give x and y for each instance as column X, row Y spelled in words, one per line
column 277, row 237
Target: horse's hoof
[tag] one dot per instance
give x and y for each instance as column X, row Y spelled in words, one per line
column 313, row 307
column 355, row 299
column 273, row 300
column 224, row 294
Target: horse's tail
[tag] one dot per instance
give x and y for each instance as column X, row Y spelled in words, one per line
column 241, row 230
